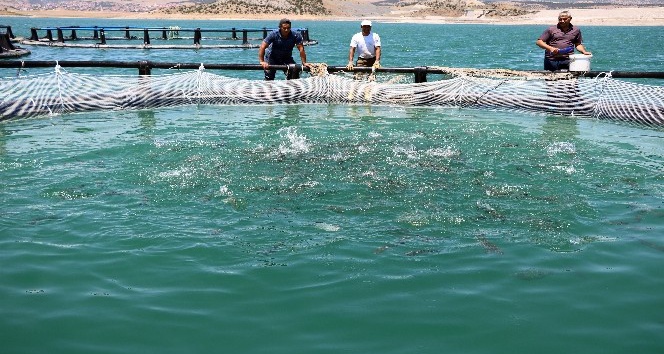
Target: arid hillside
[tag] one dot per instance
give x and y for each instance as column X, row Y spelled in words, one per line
column 601, row 12
column 249, row 7
column 237, row 8
column 351, row 8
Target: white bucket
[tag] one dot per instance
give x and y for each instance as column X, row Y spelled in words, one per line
column 579, row 62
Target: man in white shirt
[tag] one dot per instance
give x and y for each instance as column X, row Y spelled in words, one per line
column 367, row 45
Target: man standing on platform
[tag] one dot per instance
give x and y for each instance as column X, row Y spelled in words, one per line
column 281, row 43
column 367, row 45
column 559, row 42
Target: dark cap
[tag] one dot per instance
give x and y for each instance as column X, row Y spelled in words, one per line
column 284, row 20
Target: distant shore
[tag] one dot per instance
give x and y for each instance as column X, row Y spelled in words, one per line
column 619, row 16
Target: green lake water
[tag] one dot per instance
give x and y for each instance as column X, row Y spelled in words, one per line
column 333, row 228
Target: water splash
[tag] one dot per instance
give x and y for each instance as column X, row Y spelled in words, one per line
column 296, row 144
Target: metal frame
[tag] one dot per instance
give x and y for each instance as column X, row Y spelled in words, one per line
column 420, row 72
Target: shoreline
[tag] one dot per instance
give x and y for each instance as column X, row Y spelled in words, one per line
column 614, row 16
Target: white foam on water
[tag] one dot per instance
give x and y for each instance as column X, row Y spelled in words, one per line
column 224, row 191
column 327, row 227
column 503, row 190
column 569, row 170
column 410, row 152
column 296, row 144
column 561, row 148
column 446, row 152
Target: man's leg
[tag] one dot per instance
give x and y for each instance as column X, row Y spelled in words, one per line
column 363, row 63
column 269, row 74
column 555, row 65
column 549, row 65
column 563, row 64
column 289, row 73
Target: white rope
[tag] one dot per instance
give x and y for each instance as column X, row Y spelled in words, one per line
column 58, row 74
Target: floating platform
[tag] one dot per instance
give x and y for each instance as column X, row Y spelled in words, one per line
column 7, row 48
column 13, row 53
column 173, row 37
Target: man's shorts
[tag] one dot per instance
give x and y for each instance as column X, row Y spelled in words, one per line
column 366, row 61
column 270, row 73
column 555, row 65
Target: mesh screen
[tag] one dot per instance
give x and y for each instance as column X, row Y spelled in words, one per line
column 599, row 98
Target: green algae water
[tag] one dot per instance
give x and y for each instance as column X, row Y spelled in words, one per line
column 331, row 228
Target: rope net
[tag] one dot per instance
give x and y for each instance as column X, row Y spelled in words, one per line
column 602, row 97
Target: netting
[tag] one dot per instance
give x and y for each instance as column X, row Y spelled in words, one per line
column 600, row 98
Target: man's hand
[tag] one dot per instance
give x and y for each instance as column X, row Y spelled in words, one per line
column 264, row 64
column 349, row 67
column 376, row 65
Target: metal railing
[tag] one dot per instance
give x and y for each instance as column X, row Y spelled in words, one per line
column 420, row 72
column 99, row 33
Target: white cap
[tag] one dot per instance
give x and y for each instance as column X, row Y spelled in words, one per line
column 366, row 23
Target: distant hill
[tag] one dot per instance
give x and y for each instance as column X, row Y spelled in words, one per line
column 353, row 8
column 581, row 4
column 457, row 8
column 588, row 3
column 248, row 7
column 349, row 8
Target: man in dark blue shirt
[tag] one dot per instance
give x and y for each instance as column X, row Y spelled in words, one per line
column 280, row 52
